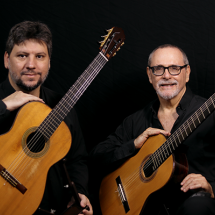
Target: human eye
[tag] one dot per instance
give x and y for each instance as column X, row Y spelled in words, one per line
column 158, row 68
column 40, row 56
column 175, row 68
column 21, row 56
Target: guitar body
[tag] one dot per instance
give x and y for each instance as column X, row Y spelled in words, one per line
column 30, row 168
column 136, row 185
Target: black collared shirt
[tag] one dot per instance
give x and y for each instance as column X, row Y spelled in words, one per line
column 200, row 145
column 76, row 157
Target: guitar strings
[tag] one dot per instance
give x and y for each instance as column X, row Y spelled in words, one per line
column 94, row 76
column 175, row 141
column 191, row 120
column 79, row 92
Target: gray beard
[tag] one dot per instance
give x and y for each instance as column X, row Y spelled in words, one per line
column 170, row 96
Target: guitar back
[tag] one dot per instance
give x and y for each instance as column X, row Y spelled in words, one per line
column 28, row 167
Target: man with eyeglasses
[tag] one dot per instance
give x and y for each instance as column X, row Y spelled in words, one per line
column 168, row 71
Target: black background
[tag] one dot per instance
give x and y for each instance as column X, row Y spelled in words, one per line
column 122, row 86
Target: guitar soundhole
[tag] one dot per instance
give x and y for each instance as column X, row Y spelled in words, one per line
column 148, row 168
column 147, row 171
column 36, row 142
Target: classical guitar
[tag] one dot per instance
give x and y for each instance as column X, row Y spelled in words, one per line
column 39, row 138
column 128, row 190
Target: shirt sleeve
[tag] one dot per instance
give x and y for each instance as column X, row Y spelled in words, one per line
column 117, row 147
column 4, row 116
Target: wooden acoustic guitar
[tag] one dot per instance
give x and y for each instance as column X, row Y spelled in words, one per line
column 39, row 138
column 129, row 189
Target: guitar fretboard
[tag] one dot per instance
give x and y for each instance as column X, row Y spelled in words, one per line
column 169, row 146
column 57, row 115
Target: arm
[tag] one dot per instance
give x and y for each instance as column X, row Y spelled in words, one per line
column 125, row 141
column 18, row 99
column 9, row 106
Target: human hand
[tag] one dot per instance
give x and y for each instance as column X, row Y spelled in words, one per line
column 196, row 181
column 18, row 99
column 84, row 201
column 138, row 142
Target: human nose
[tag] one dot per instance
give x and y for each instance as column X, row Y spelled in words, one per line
column 30, row 63
column 166, row 73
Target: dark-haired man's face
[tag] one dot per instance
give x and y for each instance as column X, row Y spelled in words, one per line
column 28, row 65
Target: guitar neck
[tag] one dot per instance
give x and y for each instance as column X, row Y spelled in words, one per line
column 170, row 145
column 57, row 115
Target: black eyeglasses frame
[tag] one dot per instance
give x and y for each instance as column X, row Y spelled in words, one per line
column 181, row 67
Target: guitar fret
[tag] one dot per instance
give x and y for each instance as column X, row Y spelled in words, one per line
column 212, row 101
column 189, row 127
column 181, row 133
column 164, row 151
column 178, row 139
column 172, row 143
column 170, row 148
column 197, row 117
column 98, row 62
column 158, row 157
column 162, row 156
column 155, row 163
column 202, row 112
column 193, row 122
column 185, row 129
column 207, row 107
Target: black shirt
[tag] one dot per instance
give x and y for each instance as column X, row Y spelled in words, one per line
column 76, row 157
column 200, row 145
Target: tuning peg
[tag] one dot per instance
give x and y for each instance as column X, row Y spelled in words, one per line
column 114, row 54
column 104, row 36
column 122, row 44
column 118, row 49
column 109, row 30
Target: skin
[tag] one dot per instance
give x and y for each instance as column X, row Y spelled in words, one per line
column 30, row 62
column 169, row 94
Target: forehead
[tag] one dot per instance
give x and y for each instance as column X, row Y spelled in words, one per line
column 31, row 46
column 167, row 56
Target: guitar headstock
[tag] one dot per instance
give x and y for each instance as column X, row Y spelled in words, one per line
column 112, row 42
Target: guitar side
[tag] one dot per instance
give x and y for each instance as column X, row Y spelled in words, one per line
column 136, row 185
column 29, row 168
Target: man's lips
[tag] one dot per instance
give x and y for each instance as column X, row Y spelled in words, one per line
column 30, row 74
column 167, row 85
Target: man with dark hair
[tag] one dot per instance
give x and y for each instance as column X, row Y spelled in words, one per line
column 168, row 71
column 27, row 58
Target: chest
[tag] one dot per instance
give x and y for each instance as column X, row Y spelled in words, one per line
column 167, row 120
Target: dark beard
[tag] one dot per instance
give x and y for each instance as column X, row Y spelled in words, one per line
column 26, row 88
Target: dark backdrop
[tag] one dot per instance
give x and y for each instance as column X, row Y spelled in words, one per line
column 122, row 86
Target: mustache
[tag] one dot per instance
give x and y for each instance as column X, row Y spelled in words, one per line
column 30, row 72
column 163, row 82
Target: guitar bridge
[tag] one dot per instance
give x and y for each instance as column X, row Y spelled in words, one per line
column 122, row 194
column 14, row 182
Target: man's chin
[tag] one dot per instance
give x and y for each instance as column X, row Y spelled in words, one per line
column 167, row 95
column 28, row 87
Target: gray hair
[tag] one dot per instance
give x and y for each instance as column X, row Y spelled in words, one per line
column 166, row 46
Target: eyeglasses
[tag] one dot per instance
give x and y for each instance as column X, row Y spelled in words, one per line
column 173, row 70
